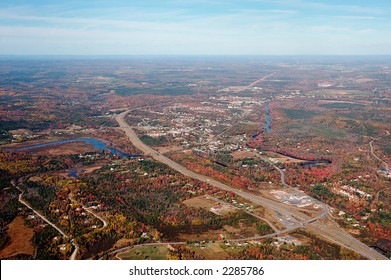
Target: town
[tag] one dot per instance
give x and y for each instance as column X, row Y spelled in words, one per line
column 219, row 159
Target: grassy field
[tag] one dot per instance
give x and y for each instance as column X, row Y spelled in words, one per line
column 146, row 253
column 212, row 251
column 200, row 202
column 150, row 141
column 299, row 114
column 20, row 239
column 342, row 105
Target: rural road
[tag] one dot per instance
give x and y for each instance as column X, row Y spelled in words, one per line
column 387, row 167
column 334, row 233
column 21, row 200
column 75, row 246
column 92, row 213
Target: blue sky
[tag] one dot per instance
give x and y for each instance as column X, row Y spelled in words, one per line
column 186, row 27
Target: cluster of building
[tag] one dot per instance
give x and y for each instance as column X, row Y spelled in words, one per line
column 195, row 125
column 297, row 199
column 385, row 172
column 351, row 192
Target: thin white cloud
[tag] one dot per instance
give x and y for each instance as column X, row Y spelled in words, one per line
column 374, row 8
column 237, row 20
column 282, row 11
column 355, row 17
column 329, row 28
column 26, row 30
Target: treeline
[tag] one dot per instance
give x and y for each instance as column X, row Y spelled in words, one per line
column 245, row 176
column 39, row 196
column 317, row 249
column 153, row 199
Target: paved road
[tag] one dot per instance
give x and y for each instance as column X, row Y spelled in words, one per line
column 276, row 230
column 298, row 218
column 329, row 232
column 21, row 200
column 96, row 216
column 181, row 169
column 74, row 254
column 344, row 239
column 260, row 80
column 282, row 175
column 92, row 213
column 75, row 246
column 387, row 167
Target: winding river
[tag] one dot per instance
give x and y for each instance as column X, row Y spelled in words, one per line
column 268, row 118
column 267, row 127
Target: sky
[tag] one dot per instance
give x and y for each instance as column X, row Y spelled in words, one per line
column 199, row 27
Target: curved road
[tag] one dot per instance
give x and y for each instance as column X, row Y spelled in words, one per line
column 181, row 169
column 75, row 251
column 387, row 167
column 21, row 200
column 335, row 234
column 92, row 213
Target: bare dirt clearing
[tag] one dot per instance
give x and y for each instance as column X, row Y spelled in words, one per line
column 201, row 202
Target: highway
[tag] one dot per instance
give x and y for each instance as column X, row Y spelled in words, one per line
column 333, row 233
column 340, row 237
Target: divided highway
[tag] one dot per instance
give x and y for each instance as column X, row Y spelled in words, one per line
column 331, row 232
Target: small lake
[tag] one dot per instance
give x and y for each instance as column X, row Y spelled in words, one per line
column 94, row 142
column 73, row 174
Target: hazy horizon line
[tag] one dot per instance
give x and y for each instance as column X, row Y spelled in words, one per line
column 193, row 55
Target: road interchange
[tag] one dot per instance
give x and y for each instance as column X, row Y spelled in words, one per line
column 316, row 224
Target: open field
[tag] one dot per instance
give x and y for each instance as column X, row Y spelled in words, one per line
column 211, row 204
column 168, row 149
column 243, row 154
column 269, row 215
column 304, row 240
column 204, row 235
column 20, row 239
column 341, row 91
column 230, row 232
column 276, row 157
column 211, row 251
column 146, row 253
column 72, row 148
column 266, row 155
column 201, row 202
